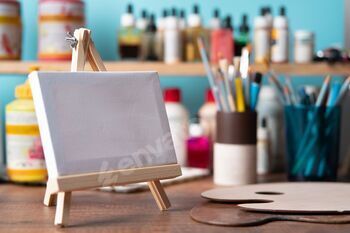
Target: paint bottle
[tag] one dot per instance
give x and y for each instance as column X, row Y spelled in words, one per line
column 178, row 122
column 263, row 148
column 25, row 156
column 198, row 148
column 268, row 16
column 142, row 22
column 270, row 108
column 215, row 22
column 172, row 39
column 56, row 18
column 193, row 32
column 303, row 46
column 222, row 42
column 160, row 35
column 129, row 37
column 182, row 26
column 207, row 114
column 280, row 38
column 10, row 30
column 242, row 39
column 262, row 33
column 149, row 41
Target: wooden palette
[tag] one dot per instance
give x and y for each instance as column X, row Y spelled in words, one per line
column 294, row 198
column 222, row 214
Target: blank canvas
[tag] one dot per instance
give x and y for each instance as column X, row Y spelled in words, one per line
column 101, row 121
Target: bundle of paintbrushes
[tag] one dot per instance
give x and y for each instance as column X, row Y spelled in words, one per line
column 312, row 128
column 234, row 88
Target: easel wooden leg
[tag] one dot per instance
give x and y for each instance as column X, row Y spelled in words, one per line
column 159, row 194
column 62, row 208
column 50, row 198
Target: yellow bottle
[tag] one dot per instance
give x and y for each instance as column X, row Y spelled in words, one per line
column 24, row 152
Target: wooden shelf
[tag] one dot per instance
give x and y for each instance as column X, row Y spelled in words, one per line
column 181, row 69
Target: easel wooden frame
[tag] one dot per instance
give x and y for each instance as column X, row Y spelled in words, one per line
column 59, row 190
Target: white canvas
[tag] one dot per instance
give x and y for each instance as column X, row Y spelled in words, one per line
column 101, row 121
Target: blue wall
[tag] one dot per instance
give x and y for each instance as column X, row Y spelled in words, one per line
column 325, row 18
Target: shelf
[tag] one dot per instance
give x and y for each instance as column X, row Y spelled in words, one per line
column 180, row 69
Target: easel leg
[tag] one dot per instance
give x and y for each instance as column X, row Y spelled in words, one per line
column 159, row 194
column 62, row 208
column 50, row 198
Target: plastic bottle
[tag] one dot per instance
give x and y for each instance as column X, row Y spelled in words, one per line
column 242, row 39
column 280, row 38
column 25, row 156
column 172, row 39
column 269, row 17
column 182, row 26
column 160, row 35
column 129, row 36
column 261, row 38
column 207, row 114
column 10, row 30
column 143, row 21
column 270, row 108
column 149, row 41
column 215, row 22
column 56, row 18
column 263, row 148
column 193, row 32
column 222, row 42
column 198, row 148
column 303, row 46
column 178, row 122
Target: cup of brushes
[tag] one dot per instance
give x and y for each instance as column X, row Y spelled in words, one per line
column 236, row 93
column 312, row 129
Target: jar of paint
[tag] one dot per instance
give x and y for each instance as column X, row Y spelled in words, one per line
column 56, row 18
column 10, row 30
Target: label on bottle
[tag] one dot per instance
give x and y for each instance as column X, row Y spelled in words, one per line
column 279, row 45
column 52, row 43
column 262, row 45
column 25, row 156
column 10, row 39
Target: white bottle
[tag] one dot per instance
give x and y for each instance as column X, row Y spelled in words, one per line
column 270, row 108
column 280, row 38
column 207, row 116
column 178, row 122
column 303, row 46
column 142, row 22
column 194, row 20
column 261, row 38
column 268, row 16
column 263, row 148
column 215, row 20
column 172, row 39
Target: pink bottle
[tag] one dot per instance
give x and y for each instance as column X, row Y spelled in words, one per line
column 222, row 42
column 198, row 148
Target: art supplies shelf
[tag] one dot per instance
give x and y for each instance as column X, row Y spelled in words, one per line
column 180, row 69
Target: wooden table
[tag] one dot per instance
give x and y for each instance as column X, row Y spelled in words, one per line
column 21, row 210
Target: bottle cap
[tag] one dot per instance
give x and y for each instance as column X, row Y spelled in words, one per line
column 172, row 95
column 144, row 14
column 264, row 122
column 227, row 23
column 244, row 27
column 129, row 9
column 196, row 130
column 282, row 11
column 216, row 13
column 165, row 13
column 182, row 14
column 173, row 12
column 151, row 27
column 209, row 97
column 258, row 77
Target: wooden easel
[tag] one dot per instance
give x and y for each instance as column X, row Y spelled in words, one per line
column 59, row 190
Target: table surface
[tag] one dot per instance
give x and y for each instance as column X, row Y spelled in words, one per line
column 21, row 210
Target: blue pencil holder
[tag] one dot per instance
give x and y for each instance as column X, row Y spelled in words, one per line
column 313, row 138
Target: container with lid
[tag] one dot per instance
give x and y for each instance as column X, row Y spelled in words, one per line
column 24, row 152
column 303, row 46
column 178, row 122
column 262, row 33
column 280, row 38
column 10, row 30
column 172, row 39
column 56, row 18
